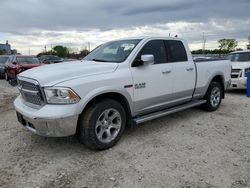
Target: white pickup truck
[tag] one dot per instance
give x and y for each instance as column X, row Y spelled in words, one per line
column 240, row 67
column 121, row 82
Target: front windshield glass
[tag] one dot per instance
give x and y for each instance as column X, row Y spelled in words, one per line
column 244, row 56
column 3, row 60
column 116, row 51
column 27, row 60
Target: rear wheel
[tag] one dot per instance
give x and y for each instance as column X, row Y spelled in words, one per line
column 213, row 96
column 101, row 125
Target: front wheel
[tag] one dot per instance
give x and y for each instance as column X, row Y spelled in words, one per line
column 102, row 124
column 213, row 97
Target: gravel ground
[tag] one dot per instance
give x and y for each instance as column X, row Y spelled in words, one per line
column 192, row 148
column 7, row 95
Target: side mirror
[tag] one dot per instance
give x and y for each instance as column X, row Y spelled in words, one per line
column 145, row 60
column 148, row 59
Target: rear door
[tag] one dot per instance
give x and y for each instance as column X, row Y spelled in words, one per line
column 152, row 83
column 184, row 71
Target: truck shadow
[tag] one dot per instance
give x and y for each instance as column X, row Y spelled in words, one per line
column 237, row 92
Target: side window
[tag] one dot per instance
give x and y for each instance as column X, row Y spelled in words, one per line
column 156, row 48
column 176, row 51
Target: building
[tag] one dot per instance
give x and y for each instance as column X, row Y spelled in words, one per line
column 6, row 48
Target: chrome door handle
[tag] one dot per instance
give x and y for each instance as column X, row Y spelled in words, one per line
column 166, row 72
column 190, row 69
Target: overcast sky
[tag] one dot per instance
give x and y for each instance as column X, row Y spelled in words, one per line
column 32, row 24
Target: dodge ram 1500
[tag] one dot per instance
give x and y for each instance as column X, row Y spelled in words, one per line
column 128, row 81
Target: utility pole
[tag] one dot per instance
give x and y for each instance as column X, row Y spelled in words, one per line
column 203, row 42
column 89, row 46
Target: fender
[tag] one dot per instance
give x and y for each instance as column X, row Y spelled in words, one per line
column 99, row 91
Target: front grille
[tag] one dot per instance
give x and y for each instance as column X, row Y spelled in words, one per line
column 236, row 73
column 30, row 91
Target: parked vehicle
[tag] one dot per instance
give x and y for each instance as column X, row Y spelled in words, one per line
column 3, row 59
column 121, row 82
column 241, row 65
column 18, row 64
column 50, row 59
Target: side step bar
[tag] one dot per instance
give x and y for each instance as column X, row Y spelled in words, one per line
column 154, row 115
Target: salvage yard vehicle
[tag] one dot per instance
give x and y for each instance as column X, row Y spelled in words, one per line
column 241, row 65
column 121, row 82
column 18, row 64
column 3, row 60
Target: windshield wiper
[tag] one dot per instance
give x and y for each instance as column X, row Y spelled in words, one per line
column 99, row 60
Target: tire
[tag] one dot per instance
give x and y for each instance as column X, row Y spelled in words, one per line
column 213, row 97
column 6, row 77
column 102, row 124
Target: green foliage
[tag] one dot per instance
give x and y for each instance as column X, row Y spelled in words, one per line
column 228, row 44
column 61, row 51
column 1, row 52
column 65, row 52
column 215, row 51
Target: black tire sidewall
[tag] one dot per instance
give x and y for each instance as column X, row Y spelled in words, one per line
column 209, row 106
column 88, row 123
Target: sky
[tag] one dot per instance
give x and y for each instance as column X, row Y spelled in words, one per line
column 30, row 25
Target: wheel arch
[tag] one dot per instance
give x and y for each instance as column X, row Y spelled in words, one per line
column 220, row 79
column 119, row 97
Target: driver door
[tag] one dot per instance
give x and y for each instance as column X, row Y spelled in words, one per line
column 153, row 86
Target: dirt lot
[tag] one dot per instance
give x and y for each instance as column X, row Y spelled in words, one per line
column 188, row 149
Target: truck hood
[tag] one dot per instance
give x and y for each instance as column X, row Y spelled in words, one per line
column 241, row 65
column 49, row 75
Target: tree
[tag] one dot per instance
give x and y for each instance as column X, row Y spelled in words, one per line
column 61, row 51
column 84, row 52
column 1, row 52
column 228, row 44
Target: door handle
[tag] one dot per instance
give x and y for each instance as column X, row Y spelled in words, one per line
column 190, row 69
column 166, row 72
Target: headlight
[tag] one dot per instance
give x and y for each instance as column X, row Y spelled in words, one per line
column 246, row 71
column 60, row 95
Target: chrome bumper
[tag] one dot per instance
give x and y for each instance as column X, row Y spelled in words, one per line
column 50, row 128
column 49, row 120
column 238, row 83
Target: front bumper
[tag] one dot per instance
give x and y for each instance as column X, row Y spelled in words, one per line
column 49, row 121
column 238, row 83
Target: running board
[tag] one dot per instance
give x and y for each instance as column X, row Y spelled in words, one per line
column 154, row 115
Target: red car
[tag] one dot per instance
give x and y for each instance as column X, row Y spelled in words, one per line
column 19, row 63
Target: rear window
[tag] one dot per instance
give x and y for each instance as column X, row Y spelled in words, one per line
column 27, row 60
column 176, row 51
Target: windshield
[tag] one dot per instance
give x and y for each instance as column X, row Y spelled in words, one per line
column 116, row 51
column 3, row 60
column 244, row 56
column 27, row 60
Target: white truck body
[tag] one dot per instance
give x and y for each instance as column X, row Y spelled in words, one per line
column 145, row 89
